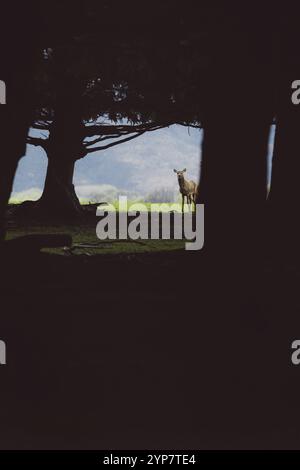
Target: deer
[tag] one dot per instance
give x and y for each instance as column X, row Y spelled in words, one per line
column 187, row 188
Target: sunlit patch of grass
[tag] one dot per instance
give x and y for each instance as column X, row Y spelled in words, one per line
column 144, row 206
column 15, row 201
column 131, row 205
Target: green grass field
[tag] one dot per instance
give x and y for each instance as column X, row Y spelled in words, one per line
column 85, row 241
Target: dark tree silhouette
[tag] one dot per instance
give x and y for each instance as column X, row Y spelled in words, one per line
column 238, row 113
column 131, row 84
column 283, row 201
column 164, row 43
column 19, row 48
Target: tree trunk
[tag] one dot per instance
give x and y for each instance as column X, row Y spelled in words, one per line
column 7, row 172
column 59, row 197
column 238, row 114
column 21, row 30
column 234, row 170
column 65, row 146
column 284, row 197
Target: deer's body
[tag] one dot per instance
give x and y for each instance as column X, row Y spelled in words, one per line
column 187, row 188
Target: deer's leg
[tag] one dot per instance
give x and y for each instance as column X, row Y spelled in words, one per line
column 194, row 201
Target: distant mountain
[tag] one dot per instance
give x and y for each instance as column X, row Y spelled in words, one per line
column 139, row 169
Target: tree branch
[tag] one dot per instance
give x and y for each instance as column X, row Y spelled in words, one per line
column 41, row 126
column 103, row 130
column 113, row 144
column 125, row 130
column 37, row 142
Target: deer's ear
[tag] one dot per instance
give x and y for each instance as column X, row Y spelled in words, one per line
column 175, row 171
column 184, row 170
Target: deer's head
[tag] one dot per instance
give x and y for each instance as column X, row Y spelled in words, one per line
column 180, row 174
